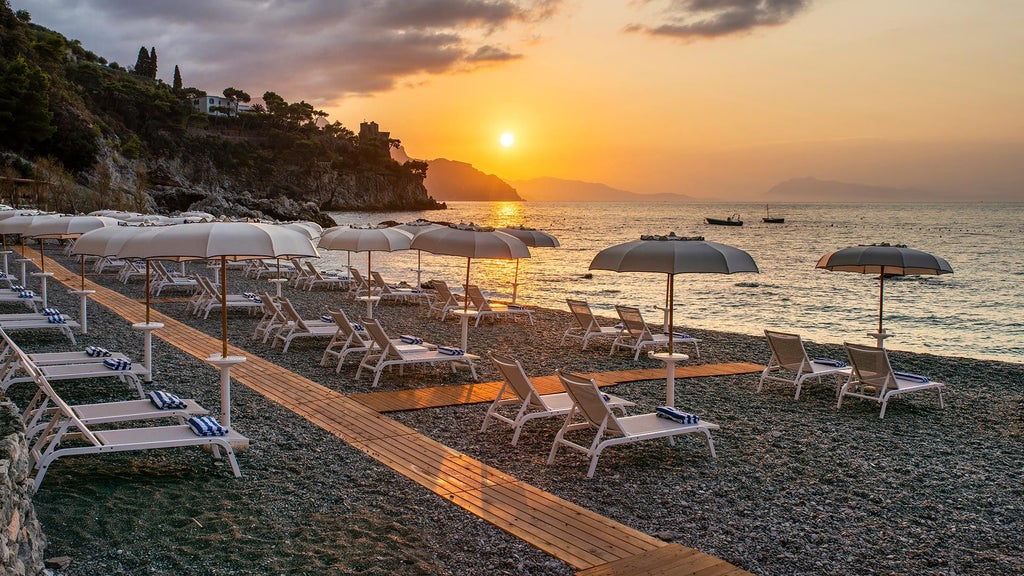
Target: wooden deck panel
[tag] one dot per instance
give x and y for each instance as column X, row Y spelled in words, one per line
column 440, row 396
column 666, row 560
column 568, row 532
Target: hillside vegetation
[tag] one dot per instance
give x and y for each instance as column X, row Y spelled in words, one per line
column 106, row 136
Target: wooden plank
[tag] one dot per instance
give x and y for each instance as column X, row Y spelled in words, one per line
column 672, row 559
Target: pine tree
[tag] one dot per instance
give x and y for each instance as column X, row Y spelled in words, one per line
column 152, row 63
column 142, row 62
column 177, row 79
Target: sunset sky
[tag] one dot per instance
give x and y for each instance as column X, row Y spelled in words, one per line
column 717, row 99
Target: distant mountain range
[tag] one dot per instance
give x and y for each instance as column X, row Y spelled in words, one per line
column 814, row 190
column 453, row 180
column 558, row 190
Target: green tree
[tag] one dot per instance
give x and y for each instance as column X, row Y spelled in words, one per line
column 23, row 15
column 177, row 79
column 142, row 62
column 25, row 117
column 151, row 69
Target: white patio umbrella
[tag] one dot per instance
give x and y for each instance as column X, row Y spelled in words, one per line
column 224, row 241
column 885, row 260
column 534, row 239
column 4, row 215
column 219, row 240
column 365, row 239
column 470, row 241
column 417, row 227
column 66, row 227
column 673, row 255
column 18, row 225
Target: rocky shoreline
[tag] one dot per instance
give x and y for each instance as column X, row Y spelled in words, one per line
column 797, row 488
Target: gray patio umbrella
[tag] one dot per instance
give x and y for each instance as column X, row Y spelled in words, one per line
column 369, row 240
column 673, row 255
column 885, row 260
column 470, row 241
column 534, row 239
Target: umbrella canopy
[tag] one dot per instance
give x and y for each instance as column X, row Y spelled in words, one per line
column 470, row 241
column 673, row 255
column 368, row 239
column 885, row 260
column 64, row 227
column 224, row 240
column 312, row 230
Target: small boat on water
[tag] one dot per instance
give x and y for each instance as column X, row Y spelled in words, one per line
column 768, row 217
column 733, row 220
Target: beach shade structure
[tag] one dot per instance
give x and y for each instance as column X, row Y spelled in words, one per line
column 311, row 230
column 367, row 239
column 470, row 241
column 17, row 225
column 66, row 228
column 671, row 255
column 417, row 227
column 222, row 241
column 884, row 260
column 4, row 215
column 534, row 239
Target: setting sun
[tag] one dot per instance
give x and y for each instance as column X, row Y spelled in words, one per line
column 508, row 139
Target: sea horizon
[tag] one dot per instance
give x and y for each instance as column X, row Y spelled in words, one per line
column 968, row 313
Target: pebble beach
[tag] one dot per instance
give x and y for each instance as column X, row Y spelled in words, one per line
column 798, row 487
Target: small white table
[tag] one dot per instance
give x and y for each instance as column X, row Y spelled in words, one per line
column 464, row 316
column 147, row 345
column 880, row 337
column 278, row 282
column 84, row 308
column 371, row 301
column 670, row 361
column 42, row 285
column 224, row 364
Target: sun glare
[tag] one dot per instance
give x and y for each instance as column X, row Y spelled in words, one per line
column 507, row 139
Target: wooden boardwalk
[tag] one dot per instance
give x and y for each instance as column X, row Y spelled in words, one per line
column 577, row 536
column 438, row 396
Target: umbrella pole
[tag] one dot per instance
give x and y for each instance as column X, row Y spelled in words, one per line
column 465, row 309
column 224, row 306
column 465, row 290
column 369, row 284
column 147, row 287
column 671, row 328
column 42, row 258
column 515, row 282
column 881, row 297
column 83, row 271
column 419, row 269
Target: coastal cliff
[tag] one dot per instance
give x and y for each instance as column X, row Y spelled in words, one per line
column 103, row 136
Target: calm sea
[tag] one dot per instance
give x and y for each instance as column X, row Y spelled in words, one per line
column 978, row 311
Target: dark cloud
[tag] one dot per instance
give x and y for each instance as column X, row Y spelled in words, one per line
column 711, row 18
column 317, row 50
column 492, row 54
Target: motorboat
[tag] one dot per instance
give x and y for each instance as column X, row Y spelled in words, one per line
column 733, row 220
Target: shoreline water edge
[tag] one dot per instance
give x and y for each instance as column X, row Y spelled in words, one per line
column 798, row 487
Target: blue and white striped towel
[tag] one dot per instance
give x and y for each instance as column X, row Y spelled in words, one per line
column 516, row 307
column 3, row 275
column 166, row 400
column 411, row 339
column 829, row 362
column 257, row 299
column 327, row 318
column 50, row 311
column 358, row 327
column 912, row 377
column 57, row 319
column 97, row 352
column 17, row 287
column 249, row 295
column 451, row 350
column 678, row 335
column 118, row 363
column 27, row 294
column 676, row 415
column 206, row 426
